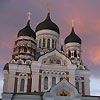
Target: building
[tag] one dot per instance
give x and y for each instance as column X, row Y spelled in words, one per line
column 39, row 70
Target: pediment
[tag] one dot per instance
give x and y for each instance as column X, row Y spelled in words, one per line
column 54, row 57
column 64, row 88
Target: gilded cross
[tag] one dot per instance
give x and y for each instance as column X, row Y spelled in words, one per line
column 72, row 23
column 29, row 15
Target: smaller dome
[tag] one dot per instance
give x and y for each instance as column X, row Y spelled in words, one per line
column 72, row 38
column 27, row 31
column 47, row 24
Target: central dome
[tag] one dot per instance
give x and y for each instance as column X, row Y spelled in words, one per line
column 47, row 24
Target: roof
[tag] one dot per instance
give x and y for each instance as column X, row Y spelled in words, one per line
column 27, row 31
column 47, row 24
column 72, row 38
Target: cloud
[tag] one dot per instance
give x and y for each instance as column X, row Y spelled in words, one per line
column 94, row 54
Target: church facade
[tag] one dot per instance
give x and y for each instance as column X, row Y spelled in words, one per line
column 39, row 70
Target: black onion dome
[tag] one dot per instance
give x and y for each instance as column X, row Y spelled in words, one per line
column 27, row 31
column 72, row 38
column 47, row 24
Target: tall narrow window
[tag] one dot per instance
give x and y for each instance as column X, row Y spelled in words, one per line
column 46, row 83
column 53, row 81
column 25, row 49
column 22, row 85
column 69, row 53
column 48, row 43
column 43, row 42
column 40, row 43
column 75, row 53
column 77, row 86
column 55, row 44
column 52, row 43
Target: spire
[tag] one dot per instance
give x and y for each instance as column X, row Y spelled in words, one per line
column 29, row 17
column 48, row 15
column 72, row 26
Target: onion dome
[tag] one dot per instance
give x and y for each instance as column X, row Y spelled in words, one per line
column 47, row 24
column 72, row 37
column 27, row 31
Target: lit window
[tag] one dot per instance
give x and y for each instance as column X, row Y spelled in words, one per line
column 46, row 83
column 48, row 43
column 53, row 81
column 58, row 62
column 43, row 42
column 40, row 43
column 77, row 86
column 22, row 85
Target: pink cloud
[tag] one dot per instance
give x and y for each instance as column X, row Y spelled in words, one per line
column 94, row 54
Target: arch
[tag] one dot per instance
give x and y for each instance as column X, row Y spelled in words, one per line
column 22, row 83
column 40, row 43
column 53, row 81
column 48, row 43
column 75, row 53
column 61, row 79
column 46, row 83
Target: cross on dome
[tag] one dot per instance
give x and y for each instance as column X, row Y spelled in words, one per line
column 72, row 23
column 29, row 15
column 48, row 7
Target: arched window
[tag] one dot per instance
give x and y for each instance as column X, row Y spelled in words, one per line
column 52, row 43
column 22, row 83
column 43, row 42
column 46, row 83
column 77, row 86
column 61, row 79
column 75, row 53
column 58, row 62
column 53, row 81
column 69, row 53
column 40, row 43
column 48, row 43
column 25, row 49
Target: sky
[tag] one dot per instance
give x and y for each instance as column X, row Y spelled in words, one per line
column 86, row 16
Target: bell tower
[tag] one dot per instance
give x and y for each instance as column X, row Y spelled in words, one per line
column 25, row 45
column 73, row 47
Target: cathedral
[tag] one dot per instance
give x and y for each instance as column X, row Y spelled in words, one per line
column 39, row 70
